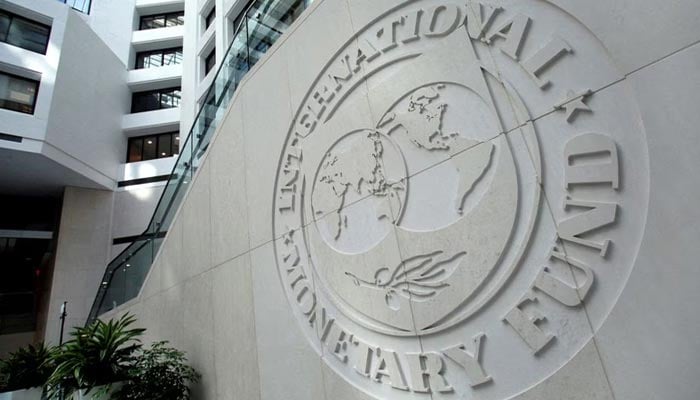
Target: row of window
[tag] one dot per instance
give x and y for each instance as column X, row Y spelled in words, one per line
column 18, row 93
column 172, row 19
column 155, row 100
column 162, row 57
column 167, row 144
column 22, row 32
column 159, row 58
column 162, row 20
column 151, row 147
column 161, row 146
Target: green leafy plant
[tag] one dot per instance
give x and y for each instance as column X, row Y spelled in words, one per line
column 160, row 373
column 97, row 356
column 28, row 367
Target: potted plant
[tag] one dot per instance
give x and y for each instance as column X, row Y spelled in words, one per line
column 159, row 373
column 27, row 370
column 98, row 355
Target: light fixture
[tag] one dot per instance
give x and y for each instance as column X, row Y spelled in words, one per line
column 162, row 154
column 149, row 142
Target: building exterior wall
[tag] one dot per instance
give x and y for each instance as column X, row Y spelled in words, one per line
column 113, row 21
column 218, row 288
column 21, row 62
column 68, row 126
column 89, row 98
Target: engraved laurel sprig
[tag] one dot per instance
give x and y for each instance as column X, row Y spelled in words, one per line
column 417, row 279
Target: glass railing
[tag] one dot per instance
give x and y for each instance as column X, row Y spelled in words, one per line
column 261, row 24
column 81, row 5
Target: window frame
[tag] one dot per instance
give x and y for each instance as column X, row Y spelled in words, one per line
column 165, row 16
column 209, row 58
column 209, row 18
column 12, row 17
column 174, row 144
column 162, row 53
column 36, row 92
column 160, row 93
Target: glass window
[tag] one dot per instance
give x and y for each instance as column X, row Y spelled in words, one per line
column 148, row 60
column 4, row 25
column 135, row 150
column 80, row 5
column 21, row 32
column 152, row 22
column 172, row 57
column 176, row 19
column 146, row 148
column 210, row 18
column 210, row 61
column 159, row 58
column 150, row 147
column 162, row 20
column 165, row 148
column 17, row 93
column 145, row 101
column 176, row 143
column 28, row 35
column 155, row 100
column 170, row 98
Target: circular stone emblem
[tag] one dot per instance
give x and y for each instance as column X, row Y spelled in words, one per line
column 447, row 200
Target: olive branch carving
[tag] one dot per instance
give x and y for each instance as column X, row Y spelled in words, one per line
column 417, row 279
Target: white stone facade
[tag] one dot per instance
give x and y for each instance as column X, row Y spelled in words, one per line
column 602, row 159
column 522, row 224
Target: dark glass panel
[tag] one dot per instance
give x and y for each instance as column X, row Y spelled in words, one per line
column 153, row 60
column 17, row 94
column 172, row 57
column 210, row 61
column 4, row 25
column 160, row 146
column 175, row 19
column 146, row 101
column 28, row 35
column 159, row 58
column 165, row 146
column 149, row 147
column 152, row 22
column 139, row 60
column 143, row 60
column 135, row 150
column 155, row 100
column 176, row 143
column 170, row 98
column 210, row 17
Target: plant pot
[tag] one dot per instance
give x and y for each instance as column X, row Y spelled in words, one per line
column 29, row 394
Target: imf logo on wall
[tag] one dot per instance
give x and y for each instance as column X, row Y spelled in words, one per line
column 460, row 199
